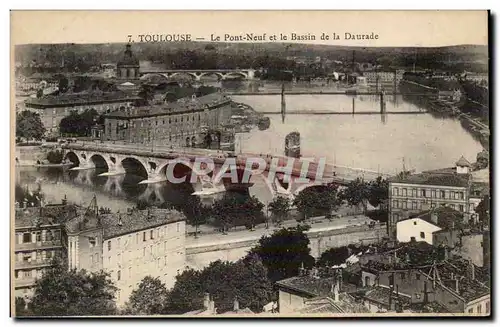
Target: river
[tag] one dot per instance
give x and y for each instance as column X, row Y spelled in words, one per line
column 374, row 142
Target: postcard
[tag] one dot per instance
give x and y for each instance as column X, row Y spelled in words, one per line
column 250, row 164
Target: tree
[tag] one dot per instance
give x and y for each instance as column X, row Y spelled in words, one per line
column 29, row 125
column 279, row 208
column 317, row 200
column 55, row 156
column 284, row 252
column 334, row 256
column 378, row 191
column 79, row 124
column 73, row 293
column 21, row 307
column 149, row 298
column 356, row 192
column 483, row 211
column 146, row 93
column 236, row 209
column 245, row 280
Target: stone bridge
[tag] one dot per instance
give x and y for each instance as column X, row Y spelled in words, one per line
column 197, row 74
column 283, row 176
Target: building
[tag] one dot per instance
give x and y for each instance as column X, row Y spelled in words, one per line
column 130, row 246
column 128, row 67
column 413, row 193
column 454, row 284
column 209, row 309
column 181, row 123
column 39, row 238
column 52, row 109
column 316, row 292
column 425, row 225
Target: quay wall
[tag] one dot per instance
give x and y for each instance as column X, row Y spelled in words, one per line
column 28, row 155
column 200, row 256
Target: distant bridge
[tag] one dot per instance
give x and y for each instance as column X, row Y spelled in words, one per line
column 197, row 74
column 378, row 93
column 152, row 165
column 327, row 112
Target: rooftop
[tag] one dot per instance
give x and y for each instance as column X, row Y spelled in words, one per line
column 81, row 99
column 381, row 295
column 441, row 177
column 447, row 218
column 308, row 285
column 462, row 162
column 116, row 224
column 47, row 215
column 182, row 105
column 325, row 304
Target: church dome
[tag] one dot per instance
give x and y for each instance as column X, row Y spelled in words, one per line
column 128, row 58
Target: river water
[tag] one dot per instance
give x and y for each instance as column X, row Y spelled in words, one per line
column 374, row 142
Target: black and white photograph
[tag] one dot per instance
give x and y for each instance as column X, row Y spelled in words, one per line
column 250, row 164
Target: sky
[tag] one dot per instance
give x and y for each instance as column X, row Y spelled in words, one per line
column 394, row 28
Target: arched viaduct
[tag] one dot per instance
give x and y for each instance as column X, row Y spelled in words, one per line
column 221, row 74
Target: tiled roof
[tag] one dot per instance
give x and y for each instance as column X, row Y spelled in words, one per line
column 442, row 178
column 311, row 286
column 381, row 294
column 345, row 304
column 182, row 105
column 132, row 221
column 447, row 218
column 462, row 162
column 83, row 98
column 47, row 215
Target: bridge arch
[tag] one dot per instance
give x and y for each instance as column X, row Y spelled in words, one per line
column 154, row 78
column 73, row 158
column 208, row 74
column 242, row 75
column 135, row 166
column 179, row 75
column 99, row 161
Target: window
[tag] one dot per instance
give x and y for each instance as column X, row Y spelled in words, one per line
column 391, row 280
column 38, row 236
column 402, row 275
column 109, row 245
column 461, row 207
column 92, row 242
column 136, row 238
column 367, row 280
column 415, row 222
column 118, row 243
column 414, row 205
column 27, row 238
column 423, row 193
column 479, row 308
column 395, row 203
column 433, row 193
column 397, row 190
column 178, row 226
column 151, row 234
column 417, row 276
column 443, row 194
column 461, row 195
column 144, row 236
column 119, row 275
column 405, row 205
column 487, row 306
column 422, row 235
column 471, row 310
column 405, row 192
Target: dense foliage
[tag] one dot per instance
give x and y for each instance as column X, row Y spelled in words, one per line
column 317, row 200
column 236, row 209
column 55, row 156
column 79, row 124
column 73, row 293
column 148, row 298
column 245, row 280
column 279, row 208
column 29, row 125
column 284, row 252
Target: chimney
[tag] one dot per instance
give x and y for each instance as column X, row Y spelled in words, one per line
column 236, row 305
column 426, row 296
column 434, row 217
column 212, row 308
column 64, row 200
column 391, row 300
column 120, row 220
column 336, row 295
column 456, row 286
column 472, row 270
column 206, row 301
column 446, row 253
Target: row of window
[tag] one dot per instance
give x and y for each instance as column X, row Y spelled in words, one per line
column 426, row 193
column 417, row 205
column 146, row 235
column 33, row 273
column 35, row 256
column 479, row 308
column 40, row 236
column 148, row 254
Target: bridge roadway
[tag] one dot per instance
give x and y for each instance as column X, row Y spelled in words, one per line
column 322, row 93
column 335, row 173
column 327, row 112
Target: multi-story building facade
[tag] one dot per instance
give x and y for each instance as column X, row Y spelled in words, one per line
column 417, row 192
column 180, row 123
column 129, row 246
column 52, row 109
column 39, row 238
